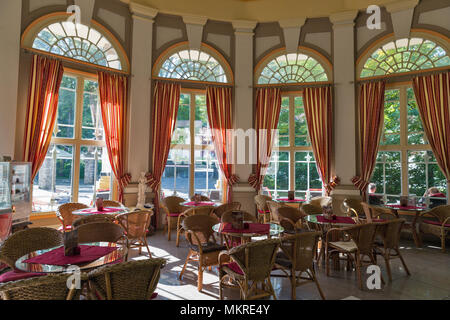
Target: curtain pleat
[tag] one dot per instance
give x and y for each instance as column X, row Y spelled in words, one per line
column 371, row 110
column 113, row 91
column 45, row 80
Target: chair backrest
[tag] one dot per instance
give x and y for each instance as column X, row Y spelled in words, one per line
column 353, row 208
column 376, row 212
column 261, row 202
column 51, row 287
column 320, row 202
column 441, row 213
column 172, row 204
column 219, row 211
column 100, row 232
column 28, row 240
column 64, row 212
column 363, row 235
column 135, row 223
column 273, row 207
column 256, row 259
column 92, row 219
column 201, row 226
column 311, row 210
column 202, row 198
column 391, row 231
column 290, row 213
column 203, row 211
column 111, row 203
column 133, row 280
column 300, row 249
column 228, row 216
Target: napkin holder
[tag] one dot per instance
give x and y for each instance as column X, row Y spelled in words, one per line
column 403, row 201
column 291, row 195
column 71, row 247
column 237, row 220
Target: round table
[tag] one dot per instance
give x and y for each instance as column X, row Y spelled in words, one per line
column 296, row 203
column 46, row 268
column 192, row 204
column 93, row 211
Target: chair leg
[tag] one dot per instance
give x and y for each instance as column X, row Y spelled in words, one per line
column 200, row 278
column 269, row 283
column 220, row 289
column 358, row 270
column 443, row 235
column 388, row 266
column 185, row 265
column 148, row 249
column 168, row 228
column 293, row 285
column 403, row 262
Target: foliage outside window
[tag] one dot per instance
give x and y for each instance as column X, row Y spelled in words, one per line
column 76, row 168
column 191, row 140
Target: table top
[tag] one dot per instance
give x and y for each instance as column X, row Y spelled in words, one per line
column 275, row 230
column 108, row 211
column 286, row 200
column 313, row 219
column 192, row 204
column 405, row 208
column 45, row 268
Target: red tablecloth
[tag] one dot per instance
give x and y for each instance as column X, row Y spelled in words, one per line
column 257, row 228
column 338, row 219
column 57, row 258
column 287, row 200
column 105, row 210
column 199, row 204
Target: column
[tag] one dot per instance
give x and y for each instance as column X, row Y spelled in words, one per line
column 345, row 116
column 10, row 19
column 243, row 106
column 140, row 96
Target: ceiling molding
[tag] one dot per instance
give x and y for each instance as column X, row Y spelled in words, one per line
column 244, row 25
column 191, row 19
column 141, row 10
column 402, row 5
column 292, row 23
column 401, row 16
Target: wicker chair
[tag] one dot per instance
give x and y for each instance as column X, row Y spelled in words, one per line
column 291, row 219
column 361, row 244
column 228, row 217
column 273, row 206
column 100, row 232
column 136, row 224
column 251, row 266
column 439, row 227
column 353, row 208
column 171, row 206
column 133, row 280
column 203, row 248
column 202, row 198
column 28, row 240
column 51, row 287
column 311, row 210
column 65, row 216
column 219, row 211
column 263, row 209
column 92, row 219
column 389, row 248
column 296, row 258
column 205, row 211
column 320, row 202
column 111, row 203
column 375, row 212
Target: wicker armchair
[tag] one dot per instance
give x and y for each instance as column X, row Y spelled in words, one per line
column 361, row 244
column 171, row 206
column 376, row 212
column 202, row 198
column 320, row 202
column 205, row 211
column 263, row 209
column 219, row 211
column 228, row 217
column 291, row 219
column 389, row 248
column 65, row 216
column 251, row 266
column 111, row 203
column 51, row 287
column 297, row 257
column 311, row 210
column 203, row 248
column 133, row 280
column 28, row 240
column 136, row 224
column 100, row 232
column 92, row 219
column 439, row 227
column 353, row 208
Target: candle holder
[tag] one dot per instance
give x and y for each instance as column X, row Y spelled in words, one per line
column 71, row 247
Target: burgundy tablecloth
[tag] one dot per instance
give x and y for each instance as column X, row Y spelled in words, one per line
column 199, row 204
column 258, row 228
column 95, row 211
column 287, row 200
column 338, row 219
column 57, row 258
column 396, row 206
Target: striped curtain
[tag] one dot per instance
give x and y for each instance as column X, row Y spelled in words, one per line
column 166, row 98
column 114, row 100
column 319, row 116
column 433, row 100
column 371, row 110
column 45, row 80
column 219, row 106
column 268, row 106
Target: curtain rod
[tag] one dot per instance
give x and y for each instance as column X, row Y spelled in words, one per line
column 202, row 83
column 408, row 76
column 66, row 59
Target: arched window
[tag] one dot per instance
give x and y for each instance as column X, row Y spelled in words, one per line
column 182, row 63
column 405, row 55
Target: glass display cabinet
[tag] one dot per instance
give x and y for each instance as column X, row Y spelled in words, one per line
column 5, row 201
column 20, row 184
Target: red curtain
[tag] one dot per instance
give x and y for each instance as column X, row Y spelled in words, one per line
column 166, row 98
column 45, row 80
column 433, row 100
column 114, row 100
column 219, row 105
column 319, row 116
column 371, row 110
column 268, row 106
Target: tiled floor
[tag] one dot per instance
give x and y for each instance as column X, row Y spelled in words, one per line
column 429, row 278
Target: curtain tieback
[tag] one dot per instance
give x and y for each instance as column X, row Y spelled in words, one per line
column 360, row 183
column 333, row 183
column 254, row 181
column 233, row 180
column 152, row 182
column 125, row 180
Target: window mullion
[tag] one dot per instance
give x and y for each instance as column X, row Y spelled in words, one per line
column 192, row 107
column 77, row 140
